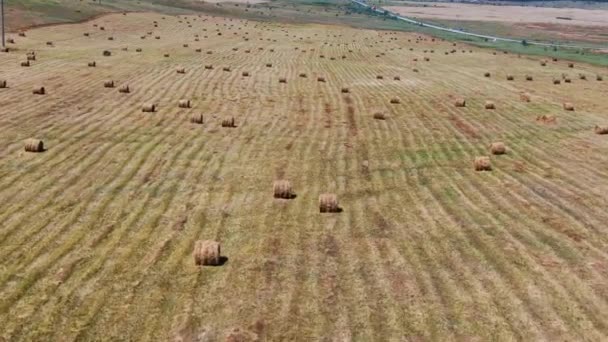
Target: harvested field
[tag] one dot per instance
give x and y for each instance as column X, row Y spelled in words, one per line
column 97, row 233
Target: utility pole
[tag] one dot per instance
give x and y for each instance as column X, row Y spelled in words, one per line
column 2, row 14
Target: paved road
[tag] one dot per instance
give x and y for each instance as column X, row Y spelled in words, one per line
column 447, row 29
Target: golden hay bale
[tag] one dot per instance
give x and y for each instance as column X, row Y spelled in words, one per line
column 510, row 77
column 460, row 103
column 345, row 90
column 487, row 74
column 529, row 78
column 556, row 81
column 226, row 69
column 379, row 77
column 601, row 129
column 124, row 89
column 482, row 164
column 197, row 118
column 379, row 116
column 183, row 104
column 282, row 80
column 34, row 145
column 395, row 100
column 110, row 38
column 148, row 108
column 228, row 123
column 599, row 78
column 108, row 84
column 269, row 65
column 185, row 45
column 282, row 189
column 157, row 37
column 489, row 105
column 86, row 34
column 92, row 64
column 543, row 63
column 397, row 78
column 567, row 79
column 498, row 148
column 245, row 74
column 207, row 252
column 328, row 203
column 570, row 65
column 166, row 55
column 25, row 63
column 3, row 84
column 49, row 43
column 180, row 70
column 39, row 90
column 303, row 75
column 107, row 53
column 426, row 59
column 546, row 119
column 525, row 97
column 208, row 66
column 582, row 76
column 568, row 106
column 321, row 79
column 138, row 50
column 198, row 50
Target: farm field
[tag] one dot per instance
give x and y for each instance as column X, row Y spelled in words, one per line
column 97, row 232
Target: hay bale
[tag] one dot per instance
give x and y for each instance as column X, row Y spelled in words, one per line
column 395, row 100
column 460, row 103
column 39, row 90
column 245, row 74
column 529, row 78
column 567, row 79
column 282, row 189
column 557, row 81
column 49, row 43
column 489, row 105
column 107, row 53
column 34, row 145
column 227, row 69
column 320, row 79
column 510, row 77
column 3, row 84
column 92, row 64
column 487, row 74
column 25, row 63
column 185, row 45
column 166, row 55
column 601, row 129
column 397, row 78
column 208, row 66
column 138, row 50
column 379, row 116
column 148, row 108
column 379, row 77
column 108, row 84
column 228, row 123
column 269, row 65
column 328, row 203
column 207, row 252
column 482, row 164
column 543, row 63
column 599, row 77
column 124, row 89
column 282, row 80
column 570, row 65
column 303, row 75
column 184, row 104
column 31, row 57
column 345, row 90
column 180, row 70
column 197, row 118
column 568, row 106
column 110, row 38
column 582, row 76
column 546, row 119
column 524, row 97
column 498, row 148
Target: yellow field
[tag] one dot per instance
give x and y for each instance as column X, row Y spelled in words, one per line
column 96, row 233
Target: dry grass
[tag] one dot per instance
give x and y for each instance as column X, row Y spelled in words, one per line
column 97, row 233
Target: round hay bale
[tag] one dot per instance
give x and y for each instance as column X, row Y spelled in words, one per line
column 498, row 148
column 180, row 70
column 226, row 69
column 397, row 78
column 510, row 77
column 166, row 55
column 303, row 75
column 208, row 66
column 245, row 74
column 529, row 78
column 379, row 116
column 543, row 63
column 124, row 89
column 282, row 189
column 107, row 53
column 524, row 97
column 183, row 104
column 110, row 38
column 557, row 81
column 487, row 74
column 269, row 65
column 34, row 145
column 328, row 203
column 92, row 64
column 49, row 43
column 198, row 50
column 138, row 50
column 549, row 119
column 345, row 90
column 86, row 34
column 582, row 76
column 567, row 79
column 379, row 77
column 207, row 253
column 148, row 108
column 489, row 105
column 599, row 77
column 395, row 100
column 197, row 118
column 282, row 80
column 568, row 106
column 482, row 164
column 21, row 34
column 39, row 90
column 570, row 65
column 3, row 84
column 415, row 70
column 108, row 84
column 185, row 45
column 25, row 63
column 601, row 129
column 320, row 79
column 460, row 103
column 228, row 123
